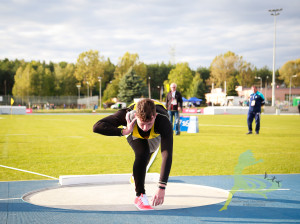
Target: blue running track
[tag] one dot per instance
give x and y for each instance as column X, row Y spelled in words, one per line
column 281, row 206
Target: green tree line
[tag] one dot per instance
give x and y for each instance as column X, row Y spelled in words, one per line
column 131, row 78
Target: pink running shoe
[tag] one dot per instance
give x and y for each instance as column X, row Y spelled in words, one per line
column 141, row 202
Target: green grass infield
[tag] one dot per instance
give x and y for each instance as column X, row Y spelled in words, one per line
column 57, row 145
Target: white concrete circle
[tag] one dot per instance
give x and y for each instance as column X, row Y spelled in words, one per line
column 120, row 197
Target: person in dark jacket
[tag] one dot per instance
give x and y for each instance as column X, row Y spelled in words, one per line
column 147, row 125
column 174, row 105
column 256, row 101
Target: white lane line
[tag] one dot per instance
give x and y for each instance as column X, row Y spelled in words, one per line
column 59, row 120
column 279, row 189
column 152, row 159
column 35, row 135
column 26, row 171
column 228, row 125
column 16, row 134
column 222, row 125
column 7, row 199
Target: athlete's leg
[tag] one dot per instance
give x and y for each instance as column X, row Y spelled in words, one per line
column 142, row 155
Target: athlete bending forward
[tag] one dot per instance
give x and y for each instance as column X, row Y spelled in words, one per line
column 147, row 125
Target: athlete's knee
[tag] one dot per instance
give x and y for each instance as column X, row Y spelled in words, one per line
column 142, row 155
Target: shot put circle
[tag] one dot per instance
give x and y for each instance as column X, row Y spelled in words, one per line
column 120, row 197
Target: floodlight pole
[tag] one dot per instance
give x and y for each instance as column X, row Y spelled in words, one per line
column 78, row 86
column 99, row 79
column 88, row 95
column 149, row 87
column 266, row 87
column 160, row 92
column 274, row 12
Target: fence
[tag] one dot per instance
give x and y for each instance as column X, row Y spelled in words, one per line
column 92, row 102
column 50, row 102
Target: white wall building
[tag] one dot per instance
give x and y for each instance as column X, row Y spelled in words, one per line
column 216, row 97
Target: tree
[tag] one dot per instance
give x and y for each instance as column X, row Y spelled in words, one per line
column 264, row 73
column 129, row 61
column 111, row 90
column 47, row 76
column 225, row 66
column 233, row 83
column 182, row 75
column 7, row 72
column 41, row 79
column 205, row 76
column 109, row 69
column 158, row 73
column 21, row 84
column 245, row 75
column 289, row 69
column 197, row 88
column 204, row 73
column 130, row 87
column 65, row 81
column 89, row 66
column 125, row 64
column 34, row 79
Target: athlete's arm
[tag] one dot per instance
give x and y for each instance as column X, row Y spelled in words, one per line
column 164, row 127
column 130, row 124
column 110, row 124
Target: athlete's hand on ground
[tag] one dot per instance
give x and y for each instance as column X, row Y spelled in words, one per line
column 158, row 198
column 130, row 124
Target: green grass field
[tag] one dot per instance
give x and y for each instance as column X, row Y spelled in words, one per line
column 57, row 145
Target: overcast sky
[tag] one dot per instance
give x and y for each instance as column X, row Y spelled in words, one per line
column 196, row 31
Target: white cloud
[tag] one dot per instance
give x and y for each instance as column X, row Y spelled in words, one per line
column 199, row 30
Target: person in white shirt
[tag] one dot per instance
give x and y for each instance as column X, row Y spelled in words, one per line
column 174, row 105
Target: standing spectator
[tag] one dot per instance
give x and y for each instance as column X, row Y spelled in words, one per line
column 257, row 100
column 174, row 105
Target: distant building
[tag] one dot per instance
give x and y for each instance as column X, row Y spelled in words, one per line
column 218, row 97
column 281, row 94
